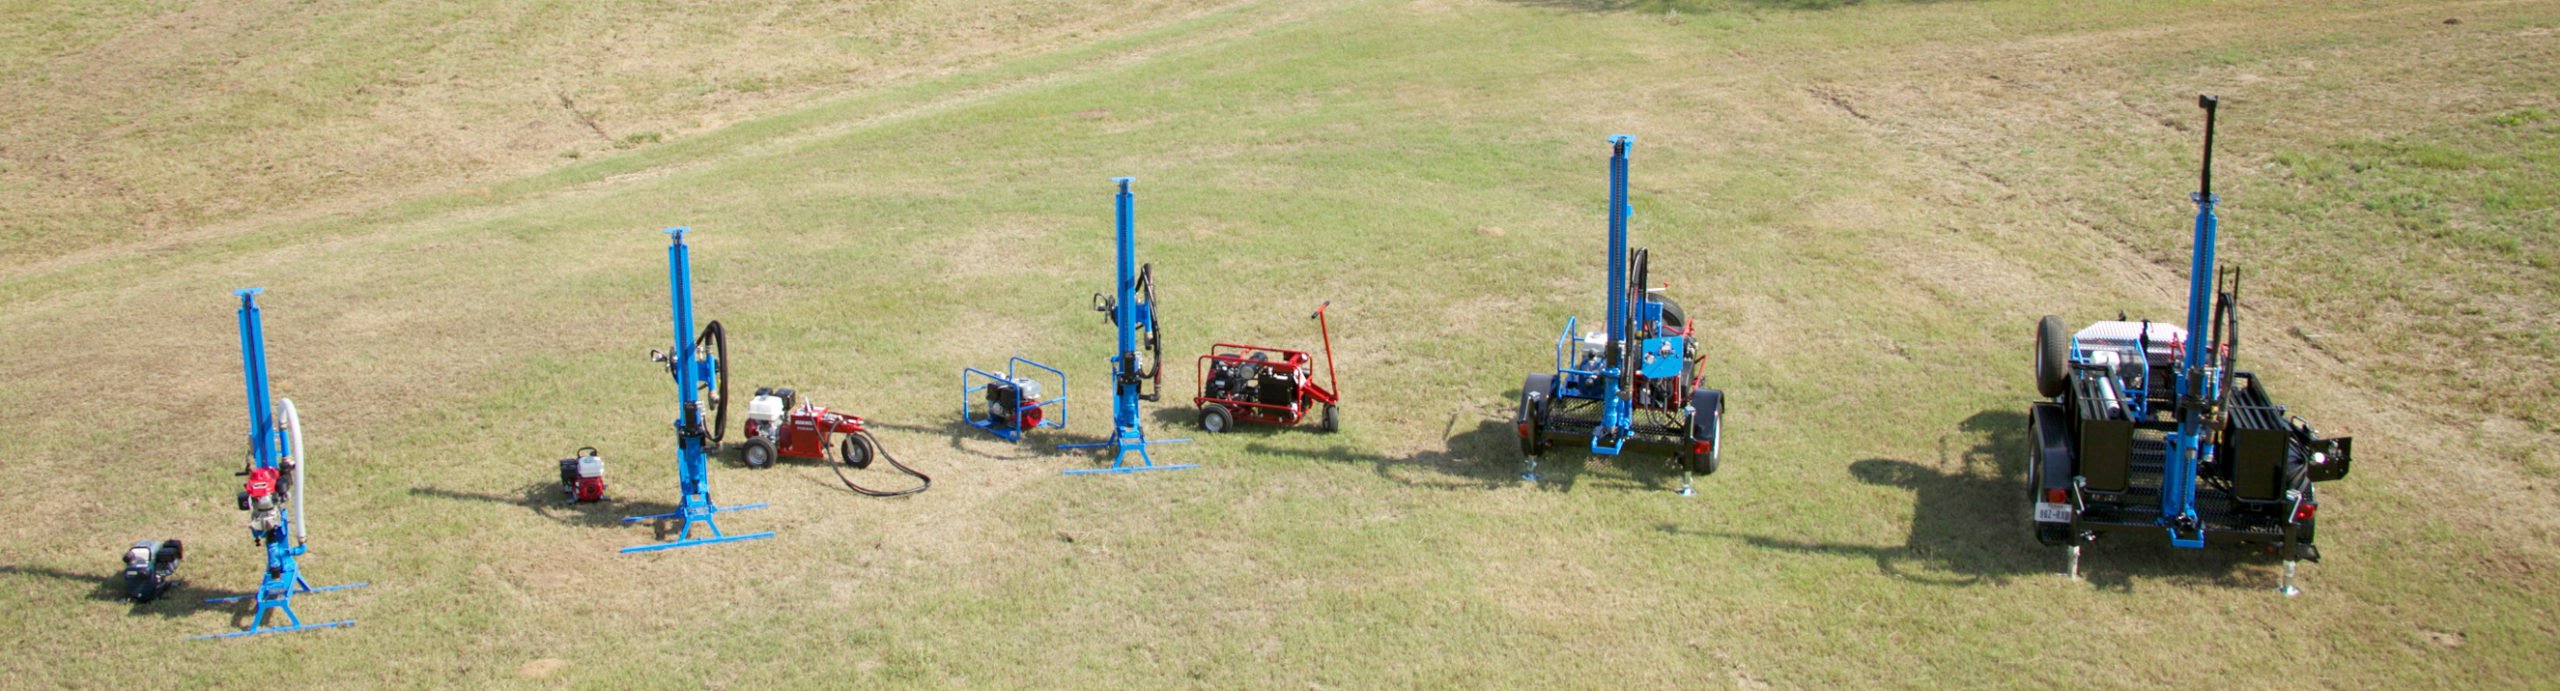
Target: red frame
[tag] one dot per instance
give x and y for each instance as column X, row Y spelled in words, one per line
column 1292, row 363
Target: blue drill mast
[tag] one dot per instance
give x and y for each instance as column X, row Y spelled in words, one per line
column 275, row 474
column 1133, row 312
column 700, row 366
column 2199, row 376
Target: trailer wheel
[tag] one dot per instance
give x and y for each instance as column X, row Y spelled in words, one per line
column 855, row 451
column 2053, row 356
column 759, row 453
column 1706, row 425
column 1332, row 421
column 1215, row 419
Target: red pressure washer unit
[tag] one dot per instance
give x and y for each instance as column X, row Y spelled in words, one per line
column 1245, row 383
column 780, row 425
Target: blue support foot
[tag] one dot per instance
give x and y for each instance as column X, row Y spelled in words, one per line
column 1119, row 459
column 692, row 516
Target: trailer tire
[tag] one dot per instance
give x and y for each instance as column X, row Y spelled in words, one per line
column 856, row 451
column 1332, row 421
column 1215, row 419
column 2053, row 356
column 1707, row 425
column 759, row 453
column 1532, row 415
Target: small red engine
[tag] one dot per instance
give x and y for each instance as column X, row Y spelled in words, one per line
column 582, row 477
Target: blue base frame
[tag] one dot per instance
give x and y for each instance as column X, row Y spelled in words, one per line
column 268, row 606
column 691, row 516
column 1129, row 440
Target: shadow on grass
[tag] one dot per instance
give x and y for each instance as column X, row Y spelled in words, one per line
column 1969, row 524
column 1486, row 456
column 181, row 599
column 1698, row 6
column 544, row 499
column 958, row 432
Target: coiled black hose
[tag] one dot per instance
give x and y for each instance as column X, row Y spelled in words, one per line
column 864, row 437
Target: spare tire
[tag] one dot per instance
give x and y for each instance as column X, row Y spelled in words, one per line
column 2053, row 356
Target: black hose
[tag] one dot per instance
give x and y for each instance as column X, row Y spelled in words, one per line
column 718, row 338
column 926, row 481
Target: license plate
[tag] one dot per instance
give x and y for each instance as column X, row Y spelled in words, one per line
column 2048, row 512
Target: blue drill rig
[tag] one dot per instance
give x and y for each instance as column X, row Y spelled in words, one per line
column 273, row 492
column 1139, row 364
column 700, row 365
column 1635, row 383
column 2152, row 428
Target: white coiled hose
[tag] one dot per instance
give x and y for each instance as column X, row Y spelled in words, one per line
column 301, row 459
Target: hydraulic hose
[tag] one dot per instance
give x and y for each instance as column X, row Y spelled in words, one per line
column 301, row 459
column 924, row 481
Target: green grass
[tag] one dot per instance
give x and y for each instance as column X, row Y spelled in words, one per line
column 1866, row 207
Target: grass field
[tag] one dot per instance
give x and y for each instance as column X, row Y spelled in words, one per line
column 1867, row 205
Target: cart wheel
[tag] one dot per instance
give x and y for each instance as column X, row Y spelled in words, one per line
column 1332, row 422
column 1215, row 419
column 855, row 451
column 2053, row 356
column 759, row 453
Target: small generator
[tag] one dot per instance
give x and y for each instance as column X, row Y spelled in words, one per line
column 582, row 476
column 149, row 567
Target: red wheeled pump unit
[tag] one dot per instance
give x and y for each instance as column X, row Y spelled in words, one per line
column 780, row 425
column 1248, row 383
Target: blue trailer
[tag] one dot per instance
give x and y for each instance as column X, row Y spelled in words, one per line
column 2151, row 428
column 1636, row 383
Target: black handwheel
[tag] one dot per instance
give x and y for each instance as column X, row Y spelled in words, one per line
column 855, row 450
column 1332, row 421
column 718, row 389
column 759, row 453
column 1215, row 419
column 2053, row 356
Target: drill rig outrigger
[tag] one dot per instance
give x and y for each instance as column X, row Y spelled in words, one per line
column 273, row 493
column 2151, row 428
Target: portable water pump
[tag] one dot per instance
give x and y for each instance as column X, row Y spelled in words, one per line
column 1011, row 404
column 582, row 476
column 149, row 567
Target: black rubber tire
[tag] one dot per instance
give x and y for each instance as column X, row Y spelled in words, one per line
column 1331, row 422
column 2053, row 356
column 1707, row 426
column 1215, row 419
column 855, row 451
column 759, row 453
column 1533, row 412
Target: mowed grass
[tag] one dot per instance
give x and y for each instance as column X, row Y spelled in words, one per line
column 1866, row 206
